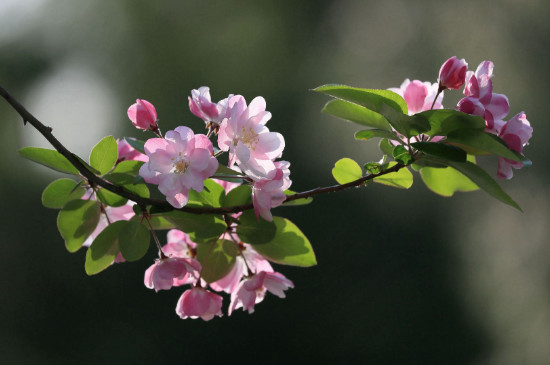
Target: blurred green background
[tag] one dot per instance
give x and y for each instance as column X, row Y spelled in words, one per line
column 404, row 277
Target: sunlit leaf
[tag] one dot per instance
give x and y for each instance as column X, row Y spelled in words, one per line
column 104, row 155
column 346, row 170
column 217, row 259
column 441, row 150
column 104, row 249
column 133, row 241
column 76, row 221
column 482, row 141
column 136, row 144
column 59, row 192
column 49, row 158
column 408, row 126
column 444, row 121
column 252, row 230
column 199, row 227
column 402, row 178
column 446, row 181
column 356, row 113
column 372, row 133
column 301, row 201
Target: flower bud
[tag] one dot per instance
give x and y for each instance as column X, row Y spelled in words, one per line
column 143, row 115
column 452, row 73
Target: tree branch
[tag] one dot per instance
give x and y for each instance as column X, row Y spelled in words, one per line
column 95, row 180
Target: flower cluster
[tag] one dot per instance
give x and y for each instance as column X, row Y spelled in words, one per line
column 181, row 160
column 479, row 100
column 247, row 282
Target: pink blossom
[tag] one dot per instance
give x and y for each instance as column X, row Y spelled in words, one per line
column 198, row 302
column 128, row 153
column 180, row 245
column 250, row 143
column 143, row 115
column 452, row 73
column 480, row 99
column 269, row 193
column 516, row 133
column 201, row 105
column 162, row 274
column 419, row 95
column 252, row 290
column 177, row 163
column 115, row 214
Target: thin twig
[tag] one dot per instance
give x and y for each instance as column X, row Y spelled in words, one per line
column 96, row 180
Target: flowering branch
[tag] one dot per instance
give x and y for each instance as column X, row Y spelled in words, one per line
column 95, row 180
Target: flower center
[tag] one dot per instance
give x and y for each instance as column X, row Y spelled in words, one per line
column 180, row 164
column 249, row 138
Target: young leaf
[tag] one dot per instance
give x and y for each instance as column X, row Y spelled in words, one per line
column 200, row 227
column 217, row 259
column 59, row 192
column 289, row 246
column 408, row 126
column 49, row 158
column 441, row 150
column 484, row 181
column 136, row 143
column 444, row 121
column 371, row 133
column 130, row 167
column 133, row 241
column 104, row 249
column 401, row 155
column 402, row 178
column 76, row 221
column 238, row 196
column 346, row 170
column 369, row 98
column 301, row 201
column 356, row 113
column 446, row 181
column 481, row 141
column 386, row 147
column 212, row 195
column 254, row 231
column 104, row 155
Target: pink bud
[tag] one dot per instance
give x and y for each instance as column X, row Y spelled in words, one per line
column 453, row 73
column 143, row 115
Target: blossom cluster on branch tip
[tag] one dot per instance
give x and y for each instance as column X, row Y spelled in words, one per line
column 479, row 100
column 182, row 160
column 246, row 282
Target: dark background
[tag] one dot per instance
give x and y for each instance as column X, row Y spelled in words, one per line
column 404, row 277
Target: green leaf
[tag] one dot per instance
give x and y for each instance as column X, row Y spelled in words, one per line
column 49, row 158
column 212, row 195
column 136, row 143
column 224, row 170
column 200, row 227
column 59, row 192
column 401, row 155
column 402, row 178
column 254, row 231
column 371, row 133
column 408, row 126
column 128, row 167
column 444, row 121
column 369, row 98
column 481, row 141
column 446, row 181
column 133, row 241
column 157, row 222
column 289, row 246
column 217, row 259
column 76, row 221
column 104, row 249
column 373, row 167
column 104, row 155
column 356, row 113
column 441, row 150
column 386, row 147
column 301, row 201
column 484, row 181
column 140, row 190
column 110, row 198
column 238, row 196
column 346, row 170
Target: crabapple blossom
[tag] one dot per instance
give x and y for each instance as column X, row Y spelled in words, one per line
column 198, row 302
column 452, row 73
column 201, row 105
column 143, row 115
column 177, row 163
column 419, row 95
column 516, row 133
column 252, row 290
column 480, row 99
column 250, row 143
column 269, row 193
column 128, row 153
column 165, row 272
